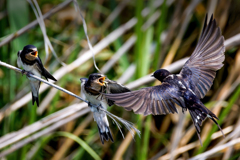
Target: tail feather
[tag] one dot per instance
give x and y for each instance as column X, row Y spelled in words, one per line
column 217, row 125
column 105, row 135
column 199, row 113
column 35, row 99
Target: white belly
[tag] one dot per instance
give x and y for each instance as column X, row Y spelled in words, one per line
column 93, row 99
column 29, row 68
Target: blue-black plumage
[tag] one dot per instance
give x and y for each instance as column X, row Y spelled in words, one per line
column 30, row 61
column 186, row 88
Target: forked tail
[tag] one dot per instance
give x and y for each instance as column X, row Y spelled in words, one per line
column 35, row 99
column 199, row 113
column 103, row 126
column 105, row 135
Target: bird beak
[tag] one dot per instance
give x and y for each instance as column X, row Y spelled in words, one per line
column 35, row 53
column 101, row 81
column 152, row 75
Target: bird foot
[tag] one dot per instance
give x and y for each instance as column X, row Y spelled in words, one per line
column 89, row 104
column 23, row 72
column 26, row 72
column 98, row 107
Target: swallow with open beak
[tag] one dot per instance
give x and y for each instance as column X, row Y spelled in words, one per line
column 91, row 90
column 186, row 88
column 30, row 61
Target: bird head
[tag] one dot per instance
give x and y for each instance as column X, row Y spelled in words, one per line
column 83, row 80
column 30, row 52
column 97, row 79
column 161, row 74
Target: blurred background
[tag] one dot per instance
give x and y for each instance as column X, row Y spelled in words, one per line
column 131, row 39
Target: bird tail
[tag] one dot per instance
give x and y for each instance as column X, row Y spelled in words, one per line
column 199, row 113
column 35, row 99
column 129, row 125
column 105, row 135
column 103, row 126
column 35, row 84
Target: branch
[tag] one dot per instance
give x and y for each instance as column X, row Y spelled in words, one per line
column 50, row 120
column 42, row 80
column 216, row 149
column 43, row 132
column 66, row 69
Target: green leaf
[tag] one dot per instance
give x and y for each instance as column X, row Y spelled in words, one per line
column 80, row 142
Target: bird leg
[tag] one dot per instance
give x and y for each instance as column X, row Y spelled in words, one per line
column 98, row 107
column 23, row 72
column 26, row 72
column 90, row 104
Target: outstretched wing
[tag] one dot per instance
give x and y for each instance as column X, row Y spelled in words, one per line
column 151, row 100
column 114, row 87
column 200, row 70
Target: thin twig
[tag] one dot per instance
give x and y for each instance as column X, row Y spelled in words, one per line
column 123, row 49
column 58, row 116
column 215, row 150
column 47, row 43
column 129, row 72
column 188, row 14
column 43, row 132
column 66, row 69
column 114, row 14
column 185, row 148
column 42, row 80
column 178, row 131
column 233, row 41
column 85, row 32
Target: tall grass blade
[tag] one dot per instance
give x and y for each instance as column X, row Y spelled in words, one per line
column 80, row 142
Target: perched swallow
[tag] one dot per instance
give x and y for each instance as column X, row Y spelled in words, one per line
column 30, row 61
column 184, row 89
column 91, row 90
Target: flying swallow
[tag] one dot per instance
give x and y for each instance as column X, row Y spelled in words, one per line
column 30, row 61
column 91, row 90
column 186, row 88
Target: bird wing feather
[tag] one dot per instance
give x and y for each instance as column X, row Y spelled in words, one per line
column 43, row 71
column 155, row 100
column 114, row 87
column 200, row 70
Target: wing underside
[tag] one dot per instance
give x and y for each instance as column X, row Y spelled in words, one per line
column 155, row 100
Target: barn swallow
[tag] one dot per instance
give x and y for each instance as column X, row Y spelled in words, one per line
column 30, row 61
column 186, row 88
column 91, row 90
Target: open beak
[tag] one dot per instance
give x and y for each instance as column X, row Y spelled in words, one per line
column 101, row 81
column 35, row 53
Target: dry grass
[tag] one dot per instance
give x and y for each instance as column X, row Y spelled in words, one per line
column 124, row 35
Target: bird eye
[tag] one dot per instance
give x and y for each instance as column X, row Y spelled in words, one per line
column 33, row 53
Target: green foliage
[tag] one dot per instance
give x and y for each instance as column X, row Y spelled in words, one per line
column 66, row 34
